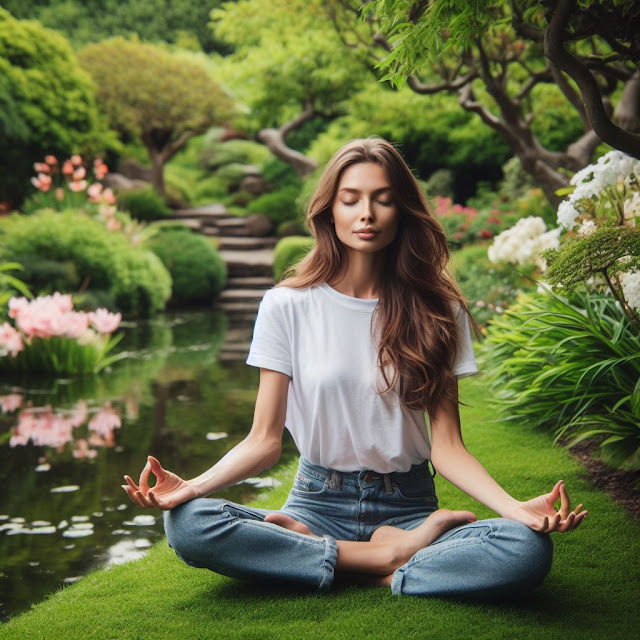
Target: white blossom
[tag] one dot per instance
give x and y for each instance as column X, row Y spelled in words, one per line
column 587, row 228
column 567, row 214
column 631, row 288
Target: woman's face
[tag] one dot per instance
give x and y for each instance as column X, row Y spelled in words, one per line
column 365, row 213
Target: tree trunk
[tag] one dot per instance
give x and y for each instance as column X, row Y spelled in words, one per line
column 157, row 170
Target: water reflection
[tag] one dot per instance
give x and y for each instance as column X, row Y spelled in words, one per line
column 65, row 445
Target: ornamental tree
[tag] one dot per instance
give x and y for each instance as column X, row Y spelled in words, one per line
column 47, row 103
column 155, row 96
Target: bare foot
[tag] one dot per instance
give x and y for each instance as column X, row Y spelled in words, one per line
column 407, row 543
column 289, row 523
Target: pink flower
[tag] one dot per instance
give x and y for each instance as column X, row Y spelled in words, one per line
column 79, row 173
column 75, row 324
column 82, row 450
column 481, row 303
column 108, row 196
column 17, row 306
column 11, row 402
column 107, row 210
column 59, row 194
column 51, row 160
column 94, row 192
column 103, row 321
column 67, row 168
column 113, row 224
column 10, row 340
column 79, row 414
column 105, row 421
column 42, row 182
column 77, row 186
column 41, row 167
column 76, row 160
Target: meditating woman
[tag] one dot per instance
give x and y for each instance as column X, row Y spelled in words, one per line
column 368, row 333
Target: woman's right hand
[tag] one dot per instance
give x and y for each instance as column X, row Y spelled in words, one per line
column 169, row 491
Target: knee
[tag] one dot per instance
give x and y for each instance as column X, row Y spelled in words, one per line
column 187, row 524
column 528, row 554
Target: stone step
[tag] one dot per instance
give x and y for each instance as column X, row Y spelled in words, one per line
column 237, row 347
column 238, row 335
column 233, row 308
column 210, row 211
column 247, row 243
column 250, row 283
column 238, row 295
column 255, row 264
column 195, row 224
column 230, row 223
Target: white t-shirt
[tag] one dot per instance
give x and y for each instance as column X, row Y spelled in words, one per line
column 321, row 339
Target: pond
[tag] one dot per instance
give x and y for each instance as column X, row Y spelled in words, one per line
column 66, row 444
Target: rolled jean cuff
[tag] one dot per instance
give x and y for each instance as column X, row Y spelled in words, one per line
column 328, row 563
column 397, row 580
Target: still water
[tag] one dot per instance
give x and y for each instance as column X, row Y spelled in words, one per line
column 65, row 445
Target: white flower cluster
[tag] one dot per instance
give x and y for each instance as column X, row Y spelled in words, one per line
column 631, row 288
column 523, row 243
column 613, row 169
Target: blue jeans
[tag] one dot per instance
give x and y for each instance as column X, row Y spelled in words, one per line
column 484, row 558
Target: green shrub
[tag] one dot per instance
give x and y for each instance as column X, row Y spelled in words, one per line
column 197, row 270
column 143, row 204
column 46, row 276
column 279, row 206
column 572, row 367
column 288, row 251
column 440, row 183
column 103, row 260
column 232, row 174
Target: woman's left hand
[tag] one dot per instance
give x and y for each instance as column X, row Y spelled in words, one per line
column 541, row 515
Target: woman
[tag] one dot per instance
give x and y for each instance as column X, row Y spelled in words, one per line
column 367, row 334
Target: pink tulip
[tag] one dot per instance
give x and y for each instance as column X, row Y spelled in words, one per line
column 103, row 321
column 79, row 173
column 59, row 194
column 10, row 340
column 113, row 224
column 108, row 196
column 76, row 324
column 77, row 186
column 76, row 160
column 107, row 210
column 67, row 168
column 11, row 402
column 41, row 167
column 94, row 192
column 17, row 306
column 51, row 160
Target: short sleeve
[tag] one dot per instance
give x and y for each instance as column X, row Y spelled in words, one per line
column 465, row 362
column 271, row 345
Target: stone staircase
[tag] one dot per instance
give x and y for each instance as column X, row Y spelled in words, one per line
column 249, row 261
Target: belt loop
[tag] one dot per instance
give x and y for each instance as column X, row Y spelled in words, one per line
column 335, row 482
column 387, row 483
column 430, row 464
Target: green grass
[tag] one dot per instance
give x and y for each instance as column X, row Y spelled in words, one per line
column 592, row 591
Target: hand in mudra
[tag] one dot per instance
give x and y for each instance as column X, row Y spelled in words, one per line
column 169, row 491
column 541, row 515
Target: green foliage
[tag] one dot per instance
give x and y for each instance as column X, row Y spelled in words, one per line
column 197, row 270
column 46, row 276
column 47, row 103
column 10, row 284
column 103, row 260
column 176, row 21
column 279, row 206
column 440, row 183
column 215, row 152
column 488, row 288
column 570, row 368
column 598, row 253
column 288, row 252
column 143, row 204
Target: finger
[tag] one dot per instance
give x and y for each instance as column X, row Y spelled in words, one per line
column 567, row 524
column 156, row 467
column 144, row 501
column 154, row 500
column 132, row 495
column 131, row 483
column 144, row 478
column 579, row 518
column 577, row 509
column 555, row 492
column 545, row 524
column 565, row 502
column 553, row 523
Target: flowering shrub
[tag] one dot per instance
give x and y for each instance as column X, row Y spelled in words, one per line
column 50, row 337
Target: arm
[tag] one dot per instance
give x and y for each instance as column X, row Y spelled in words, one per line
column 258, row 451
column 454, row 463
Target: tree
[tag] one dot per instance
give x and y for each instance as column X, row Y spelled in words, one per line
column 491, row 55
column 47, row 103
column 158, row 97
column 289, row 68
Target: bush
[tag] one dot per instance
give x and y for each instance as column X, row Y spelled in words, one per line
column 197, row 270
column 143, row 204
column 440, row 183
column 279, row 206
column 288, row 252
column 103, row 260
column 572, row 367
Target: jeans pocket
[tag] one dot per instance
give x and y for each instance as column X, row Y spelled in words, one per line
column 420, row 490
column 309, row 486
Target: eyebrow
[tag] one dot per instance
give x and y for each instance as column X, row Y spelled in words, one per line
column 352, row 190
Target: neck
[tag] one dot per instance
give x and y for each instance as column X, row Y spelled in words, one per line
column 361, row 277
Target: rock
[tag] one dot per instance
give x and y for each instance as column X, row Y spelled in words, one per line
column 255, row 185
column 134, row 171
column 258, row 225
column 118, row 182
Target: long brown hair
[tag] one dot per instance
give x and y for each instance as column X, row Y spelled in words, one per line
column 415, row 317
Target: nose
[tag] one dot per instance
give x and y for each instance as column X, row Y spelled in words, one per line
column 367, row 210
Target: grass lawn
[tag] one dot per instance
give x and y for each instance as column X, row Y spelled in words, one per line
column 593, row 589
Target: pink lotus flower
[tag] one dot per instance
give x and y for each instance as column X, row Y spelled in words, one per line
column 11, row 402
column 51, row 160
column 75, row 324
column 79, row 414
column 105, row 421
column 67, row 168
column 82, row 450
column 76, row 160
column 103, row 321
column 41, row 167
column 79, row 173
column 77, row 186
column 10, row 340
